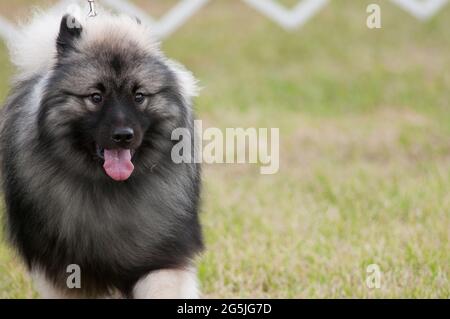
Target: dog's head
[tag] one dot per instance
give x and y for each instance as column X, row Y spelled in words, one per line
column 112, row 99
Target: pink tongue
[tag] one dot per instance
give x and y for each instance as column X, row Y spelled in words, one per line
column 118, row 164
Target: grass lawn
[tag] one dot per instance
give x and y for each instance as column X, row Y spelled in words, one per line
column 364, row 120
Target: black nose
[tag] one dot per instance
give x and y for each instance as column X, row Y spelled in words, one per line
column 123, row 135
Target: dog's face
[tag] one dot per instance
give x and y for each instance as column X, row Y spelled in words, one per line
column 110, row 105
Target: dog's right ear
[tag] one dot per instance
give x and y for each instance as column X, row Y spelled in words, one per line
column 69, row 31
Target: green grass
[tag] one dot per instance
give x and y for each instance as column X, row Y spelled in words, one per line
column 364, row 118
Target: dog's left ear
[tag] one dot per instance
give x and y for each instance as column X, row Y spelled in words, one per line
column 69, row 31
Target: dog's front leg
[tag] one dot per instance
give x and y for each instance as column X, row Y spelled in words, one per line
column 45, row 287
column 168, row 284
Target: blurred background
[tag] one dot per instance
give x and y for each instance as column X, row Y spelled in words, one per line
column 364, row 118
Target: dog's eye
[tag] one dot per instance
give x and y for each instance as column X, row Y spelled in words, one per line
column 139, row 98
column 96, row 98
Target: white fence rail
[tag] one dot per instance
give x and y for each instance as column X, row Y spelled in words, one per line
column 289, row 19
column 421, row 9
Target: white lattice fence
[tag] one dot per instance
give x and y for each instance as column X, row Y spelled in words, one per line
column 288, row 18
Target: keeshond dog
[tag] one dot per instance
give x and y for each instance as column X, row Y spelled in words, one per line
column 88, row 178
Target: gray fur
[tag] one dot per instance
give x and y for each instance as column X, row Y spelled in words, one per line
column 61, row 207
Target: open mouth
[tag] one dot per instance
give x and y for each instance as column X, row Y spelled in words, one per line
column 117, row 162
